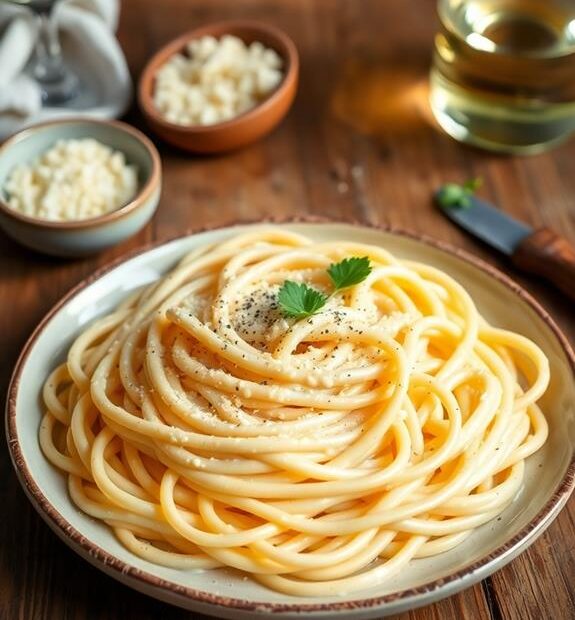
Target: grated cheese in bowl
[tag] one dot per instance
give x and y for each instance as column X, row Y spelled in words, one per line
column 74, row 180
column 216, row 81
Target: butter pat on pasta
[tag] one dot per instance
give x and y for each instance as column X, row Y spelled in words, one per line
column 216, row 80
column 73, row 180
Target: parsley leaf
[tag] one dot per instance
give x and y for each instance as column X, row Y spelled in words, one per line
column 298, row 300
column 472, row 185
column 453, row 195
column 349, row 271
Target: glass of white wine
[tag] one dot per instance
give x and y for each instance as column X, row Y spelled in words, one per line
column 58, row 83
column 503, row 75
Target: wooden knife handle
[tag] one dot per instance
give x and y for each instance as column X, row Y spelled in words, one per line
column 547, row 254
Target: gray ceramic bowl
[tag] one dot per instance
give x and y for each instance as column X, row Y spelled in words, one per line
column 82, row 237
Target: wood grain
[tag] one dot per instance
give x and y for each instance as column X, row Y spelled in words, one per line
column 358, row 143
column 547, row 254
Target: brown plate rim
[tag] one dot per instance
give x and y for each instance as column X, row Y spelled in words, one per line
column 102, row 559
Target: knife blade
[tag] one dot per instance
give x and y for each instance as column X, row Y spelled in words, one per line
column 541, row 251
column 491, row 225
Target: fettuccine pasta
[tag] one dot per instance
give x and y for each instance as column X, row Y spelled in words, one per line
column 319, row 455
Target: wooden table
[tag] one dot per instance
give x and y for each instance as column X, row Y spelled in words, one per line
column 358, row 144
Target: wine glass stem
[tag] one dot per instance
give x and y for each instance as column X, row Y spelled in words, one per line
column 49, row 62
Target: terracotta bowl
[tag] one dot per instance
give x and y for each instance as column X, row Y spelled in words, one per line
column 88, row 236
column 244, row 128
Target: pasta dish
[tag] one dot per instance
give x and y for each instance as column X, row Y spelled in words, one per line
column 313, row 414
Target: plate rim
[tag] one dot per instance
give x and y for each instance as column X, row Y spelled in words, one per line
column 126, row 572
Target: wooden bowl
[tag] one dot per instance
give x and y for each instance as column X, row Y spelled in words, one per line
column 242, row 129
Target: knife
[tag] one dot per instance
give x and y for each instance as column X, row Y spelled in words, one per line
column 538, row 251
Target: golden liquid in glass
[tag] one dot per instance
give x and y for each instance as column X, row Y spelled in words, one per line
column 503, row 75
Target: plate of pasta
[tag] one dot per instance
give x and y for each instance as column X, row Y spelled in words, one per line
column 306, row 420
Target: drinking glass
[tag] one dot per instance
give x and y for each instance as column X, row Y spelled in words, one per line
column 59, row 85
column 503, row 74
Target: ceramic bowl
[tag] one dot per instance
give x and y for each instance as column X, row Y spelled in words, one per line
column 549, row 473
column 243, row 129
column 82, row 237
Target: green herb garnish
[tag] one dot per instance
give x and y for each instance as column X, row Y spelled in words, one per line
column 298, row 300
column 349, row 271
column 453, row 195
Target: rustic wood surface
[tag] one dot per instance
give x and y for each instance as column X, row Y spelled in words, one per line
column 358, row 144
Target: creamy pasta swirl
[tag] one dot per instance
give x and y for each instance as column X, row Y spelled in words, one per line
column 319, row 456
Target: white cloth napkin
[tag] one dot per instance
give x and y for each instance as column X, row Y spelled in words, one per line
column 90, row 48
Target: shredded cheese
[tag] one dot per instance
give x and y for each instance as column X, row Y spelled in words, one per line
column 217, row 80
column 73, row 180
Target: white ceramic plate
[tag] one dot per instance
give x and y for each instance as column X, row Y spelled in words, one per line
column 549, row 477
